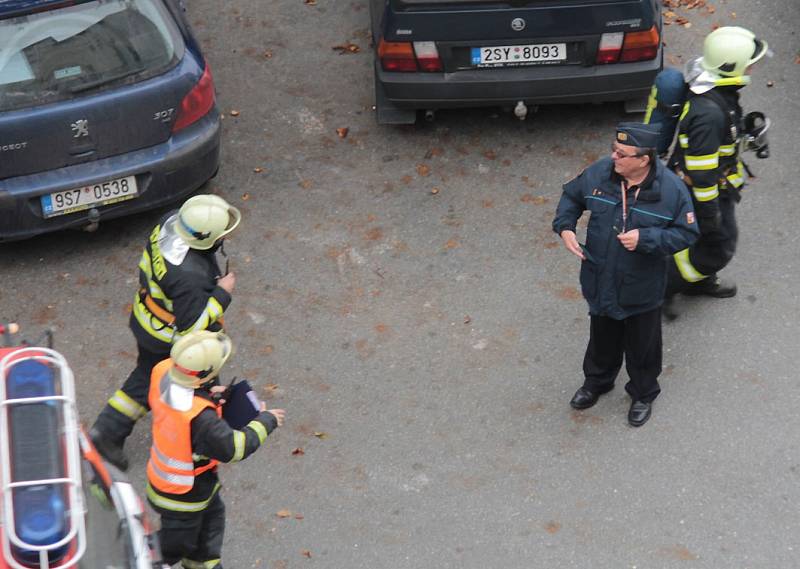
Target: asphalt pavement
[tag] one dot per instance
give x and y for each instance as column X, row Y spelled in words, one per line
column 401, row 294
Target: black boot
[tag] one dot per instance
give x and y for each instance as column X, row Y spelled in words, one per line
column 712, row 286
column 109, row 448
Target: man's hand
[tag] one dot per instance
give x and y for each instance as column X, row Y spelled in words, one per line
column 279, row 414
column 227, row 283
column 629, row 239
column 571, row 243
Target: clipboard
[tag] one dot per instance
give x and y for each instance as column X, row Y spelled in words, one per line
column 241, row 405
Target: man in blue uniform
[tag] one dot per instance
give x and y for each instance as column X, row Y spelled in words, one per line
column 640, row 214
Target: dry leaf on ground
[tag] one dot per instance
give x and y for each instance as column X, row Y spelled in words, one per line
column 283, row 513
column 298, row 452
column 235, row 113
column 346, row 48
column 342, row 132
column 320, row 435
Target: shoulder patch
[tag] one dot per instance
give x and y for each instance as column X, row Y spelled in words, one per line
column 690, row 217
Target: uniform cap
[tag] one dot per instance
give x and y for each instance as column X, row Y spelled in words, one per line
column 638, row 134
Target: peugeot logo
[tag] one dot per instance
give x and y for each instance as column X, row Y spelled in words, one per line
column 517, row 24
column 80, row 127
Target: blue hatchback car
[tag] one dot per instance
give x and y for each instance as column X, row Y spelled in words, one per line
column 106, row 108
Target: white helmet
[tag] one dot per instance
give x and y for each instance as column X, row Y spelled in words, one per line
column 198, row 357
column 204, row 219
column 730, row 50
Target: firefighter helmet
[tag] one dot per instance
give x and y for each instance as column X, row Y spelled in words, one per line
column 204, row 219
column 198, row 357
column 728, row 51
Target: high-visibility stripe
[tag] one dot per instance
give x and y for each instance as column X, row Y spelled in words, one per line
column 728, row 81
column 683, row 140
column 703, row 162
column 145, row 266
column 727, row 150
column 171, row 477
column 685, row 267
column 706, row 194
column 260, row 430
column 652, row 103
column 192, row 564
column 174, row 505
column 685, row 111
column 145, row 320
column 238, row 446
column 127, row 406
column 172, row 462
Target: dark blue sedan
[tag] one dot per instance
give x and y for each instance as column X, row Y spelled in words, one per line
column 106, row 108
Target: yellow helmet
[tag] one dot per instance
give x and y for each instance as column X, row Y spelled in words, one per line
column 728, row 51
column 198, row 357
column 204, row 219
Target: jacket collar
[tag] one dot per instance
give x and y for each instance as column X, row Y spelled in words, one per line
column 649, row 189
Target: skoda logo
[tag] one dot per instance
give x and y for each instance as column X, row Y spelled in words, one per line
column 517, row 24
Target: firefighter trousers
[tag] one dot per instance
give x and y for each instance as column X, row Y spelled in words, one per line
column 194, row 538
column 710, row 253
column 129, row 403
column 638, row 339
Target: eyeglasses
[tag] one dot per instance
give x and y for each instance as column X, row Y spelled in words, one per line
column 615, row 150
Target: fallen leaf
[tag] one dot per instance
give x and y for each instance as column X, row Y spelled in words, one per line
column 320, row 435
column 305, row 184
column 451, row 244
column 733, row 15
column 306, row 552
column 245, row 196
column 342, row 132
column 710, row 9
column 235, row 113
column 490, row 154
column 283, row 513
column 346, row 48
column 687, row 25
column 298, row 516
column 434, row 191
column 128, row 307
column 423, row 169
column 310, row 2
column 267, row 54
column 270, row 388
column 258, row 169
column 770, row 83
column 298, row 452
column 797, row 59
column 467, row 319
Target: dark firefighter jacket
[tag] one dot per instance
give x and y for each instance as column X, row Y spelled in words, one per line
column 707, row 153
column 212, row 438
column 181, row 280
column 616, row 282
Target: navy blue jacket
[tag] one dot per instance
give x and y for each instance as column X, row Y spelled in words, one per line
column 616, row 282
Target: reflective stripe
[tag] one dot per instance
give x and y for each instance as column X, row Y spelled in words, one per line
column 727, row 150
column 685, row 111
column 704, row 162
column 652, row 103
column 260, row 430
column 144, row 318
column 145, row 266
column 687, row 270
column 683, row 140
column 238, row 446
column 728, row 81
column 706, row 194
column 192, row 564
column 121, row 402
column 174, row 505
column 171, row 477
column 172, row 462
column 737, row 179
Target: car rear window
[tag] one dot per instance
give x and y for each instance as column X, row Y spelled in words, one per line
column 82, row 49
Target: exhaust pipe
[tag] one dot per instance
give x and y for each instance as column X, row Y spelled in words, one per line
column 94, row 221
column 430, row 115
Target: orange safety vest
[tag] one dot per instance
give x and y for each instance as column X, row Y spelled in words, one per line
column 171, row 467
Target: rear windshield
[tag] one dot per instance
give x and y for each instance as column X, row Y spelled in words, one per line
column 62, row 54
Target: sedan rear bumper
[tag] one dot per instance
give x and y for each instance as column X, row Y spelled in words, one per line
column 164, row 174
column 535, row 85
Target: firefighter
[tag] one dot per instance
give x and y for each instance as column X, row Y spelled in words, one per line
column 707, row 159
column 181, row 289
column 189, row 439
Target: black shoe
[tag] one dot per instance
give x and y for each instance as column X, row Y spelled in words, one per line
column 639, row 413
column 712, row 286
column 109, row 449
column 583, row 398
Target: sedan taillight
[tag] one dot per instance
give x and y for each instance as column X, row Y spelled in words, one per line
column 197, row 102
column 409, row 57
column 619, row 47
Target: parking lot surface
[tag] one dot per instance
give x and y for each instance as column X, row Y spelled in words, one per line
column 401, row 294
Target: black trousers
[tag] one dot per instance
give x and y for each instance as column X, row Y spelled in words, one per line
column 638, row 339
column 711, row 252
column 194, row 538
column 119, row 415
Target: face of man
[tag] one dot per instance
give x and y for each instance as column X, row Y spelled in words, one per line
column 627, row 162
